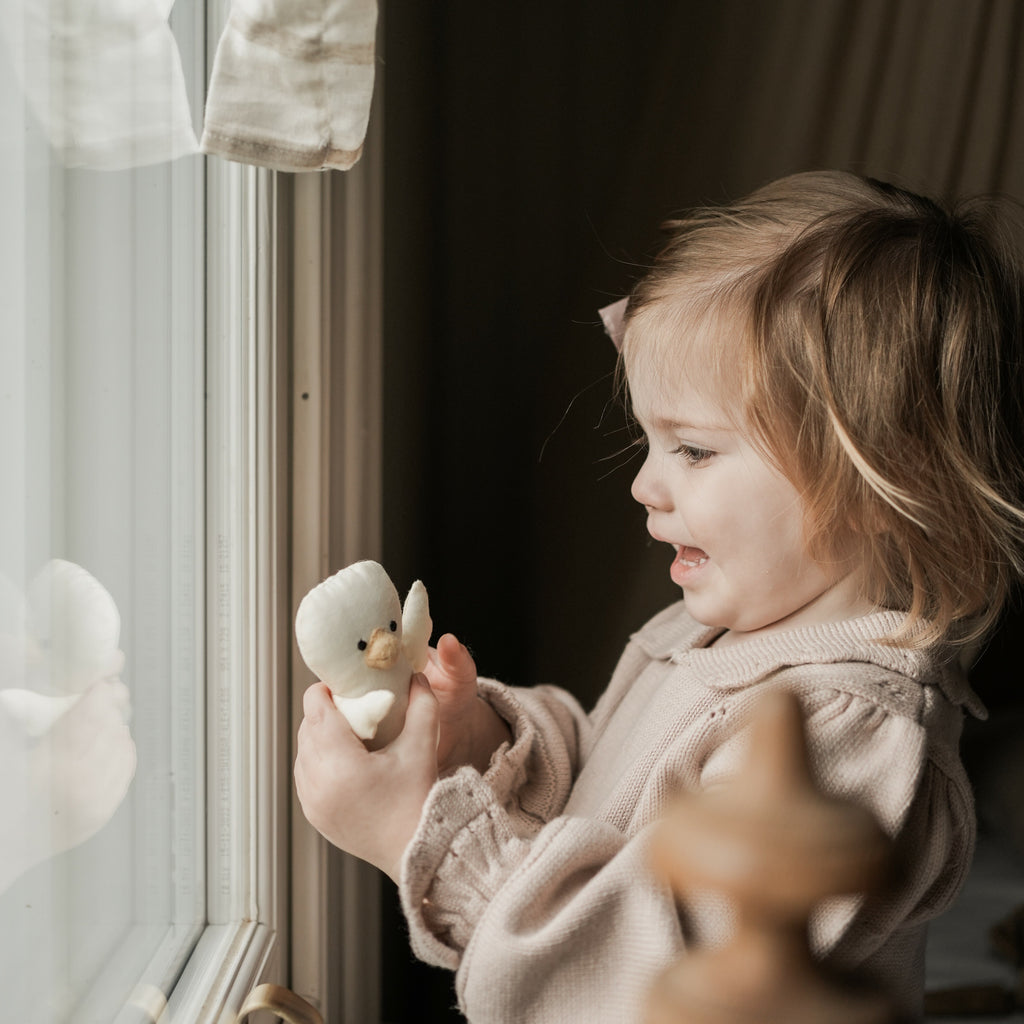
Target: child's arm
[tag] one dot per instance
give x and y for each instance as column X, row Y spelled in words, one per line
column 568, row 924
column 527, row 743
column 566, row 918
column 344, row 789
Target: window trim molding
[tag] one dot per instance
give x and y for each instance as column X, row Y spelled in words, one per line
column 294, row 309
column 247, row 749
column 337, row 346
column 311, row 909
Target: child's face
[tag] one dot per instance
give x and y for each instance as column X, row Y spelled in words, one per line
column 736, row 523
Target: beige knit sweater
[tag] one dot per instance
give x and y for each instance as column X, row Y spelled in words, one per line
column 532, row 880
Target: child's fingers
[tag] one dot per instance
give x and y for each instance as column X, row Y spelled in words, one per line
column 316, row 700
column 420, row 734
column 455, row 657
column 324, row 728
column 453, row 668
column 300, row 775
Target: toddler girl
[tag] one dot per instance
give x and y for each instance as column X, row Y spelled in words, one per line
column 828, row 375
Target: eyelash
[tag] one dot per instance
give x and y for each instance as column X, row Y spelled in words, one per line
column 692, row 454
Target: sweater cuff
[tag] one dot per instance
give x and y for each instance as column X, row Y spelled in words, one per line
column 507, row 770
column 461, row 854
column 533, row 776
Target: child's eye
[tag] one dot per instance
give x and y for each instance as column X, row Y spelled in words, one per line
column 692, row 454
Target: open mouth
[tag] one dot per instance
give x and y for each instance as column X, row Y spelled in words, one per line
column 690, row 557
column 688, row 566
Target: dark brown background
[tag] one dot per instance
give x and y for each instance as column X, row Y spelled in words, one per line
column 531, row 151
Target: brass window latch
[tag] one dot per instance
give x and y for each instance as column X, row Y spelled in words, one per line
column 283, row 1001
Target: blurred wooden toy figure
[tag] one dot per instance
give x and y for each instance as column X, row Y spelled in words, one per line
column 775, row 845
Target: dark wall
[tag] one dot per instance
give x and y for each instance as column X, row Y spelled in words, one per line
column 530, row 156
column 531, row 150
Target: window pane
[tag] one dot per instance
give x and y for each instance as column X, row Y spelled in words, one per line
column 101, row 542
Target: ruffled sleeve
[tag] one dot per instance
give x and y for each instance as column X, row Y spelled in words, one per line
column 462, row 853
column 888, row 744
column 532, row 776
column 566, row 926
column 901, row 763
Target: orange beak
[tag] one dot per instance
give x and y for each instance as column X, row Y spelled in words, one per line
column 383, row 649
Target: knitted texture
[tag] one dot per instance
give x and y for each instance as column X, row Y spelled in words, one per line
column 532, row 880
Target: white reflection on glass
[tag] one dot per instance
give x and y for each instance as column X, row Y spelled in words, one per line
column 103, row 77
column 102, row 277
column 66, row 752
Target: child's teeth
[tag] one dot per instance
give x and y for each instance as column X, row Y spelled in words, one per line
column 693, row 560
column 683, row 560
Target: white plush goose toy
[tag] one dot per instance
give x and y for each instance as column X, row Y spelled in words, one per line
column 354, row 635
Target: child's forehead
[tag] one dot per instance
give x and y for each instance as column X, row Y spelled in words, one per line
column 668, row 404
column 681, row 367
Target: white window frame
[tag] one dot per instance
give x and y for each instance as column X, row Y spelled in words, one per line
column 245, row 757
column 294, row 331
column 246, row 753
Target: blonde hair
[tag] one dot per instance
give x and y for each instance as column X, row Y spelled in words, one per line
column 881, row 367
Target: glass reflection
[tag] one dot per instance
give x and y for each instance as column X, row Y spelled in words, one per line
column 103, row 79
column 102, row 284
column 66, row 752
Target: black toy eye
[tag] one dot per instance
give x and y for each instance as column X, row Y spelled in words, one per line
column 361, row 645
column 394, row 625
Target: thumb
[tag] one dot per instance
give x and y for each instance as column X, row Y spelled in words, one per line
column 421, row 731
column 316, row 701
column 451, row 670
column 323, row 727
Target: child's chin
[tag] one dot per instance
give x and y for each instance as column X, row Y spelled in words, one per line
column 706, row 616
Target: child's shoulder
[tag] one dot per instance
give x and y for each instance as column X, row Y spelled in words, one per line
column 846, row 657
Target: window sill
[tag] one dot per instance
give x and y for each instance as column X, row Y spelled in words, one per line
column 227, row 963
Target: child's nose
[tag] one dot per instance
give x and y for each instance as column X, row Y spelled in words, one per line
column 648, row 485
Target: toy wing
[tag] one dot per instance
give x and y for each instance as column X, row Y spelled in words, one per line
column 35, row 713
column 365, row 713
column 416, row 626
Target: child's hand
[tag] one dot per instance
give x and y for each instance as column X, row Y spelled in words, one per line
column 470, row 729
column 367, row 803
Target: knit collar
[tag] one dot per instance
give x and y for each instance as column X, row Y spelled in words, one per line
column 673, row 635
